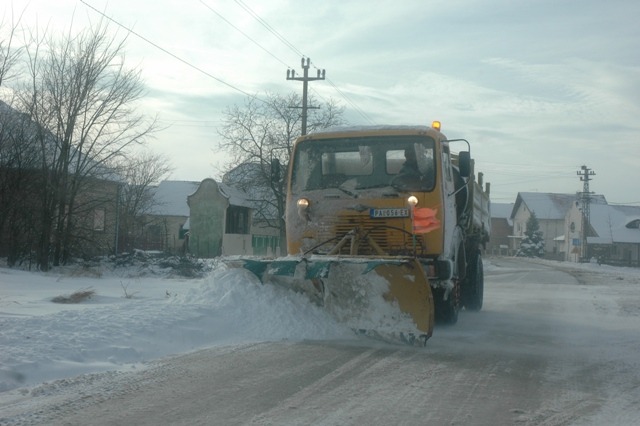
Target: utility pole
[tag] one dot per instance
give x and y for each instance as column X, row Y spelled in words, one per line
column 291, row 75
column 585, row 174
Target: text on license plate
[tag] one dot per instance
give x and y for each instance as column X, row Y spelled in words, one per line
column 383, row 213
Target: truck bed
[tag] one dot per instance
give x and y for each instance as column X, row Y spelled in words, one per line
column 479, row 208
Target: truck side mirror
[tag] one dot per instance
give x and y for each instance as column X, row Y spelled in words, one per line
column 275, row 170
column 464, row 163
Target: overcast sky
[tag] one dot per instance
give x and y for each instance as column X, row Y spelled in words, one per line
column 539, row 88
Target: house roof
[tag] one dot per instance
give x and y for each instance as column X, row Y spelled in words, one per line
column 550, row 206
column 23, row 131
column 501, row 210
column 170, row 197
column 251, row 177
column 236, row 196
column 610, row 223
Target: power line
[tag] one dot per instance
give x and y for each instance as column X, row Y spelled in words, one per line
column 280, row 37
column 269, row 27
column 197, row 126
column 245, row 34
column 526, row 172
column 206, row 73
column 520, row 166
column 357, row 108
column 502, row 184
column 172, row 54
column 189, row 121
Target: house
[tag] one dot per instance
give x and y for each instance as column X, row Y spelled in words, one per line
column 501, row 229
column 163, row 225
column 613, row 234
column 219, row 221
column 550, row 210
column 48, row 213
column 95, row 230
column 254, row 180
column 207, row 219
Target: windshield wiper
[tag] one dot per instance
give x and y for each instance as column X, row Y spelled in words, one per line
column 378, row 185
column 346, row 191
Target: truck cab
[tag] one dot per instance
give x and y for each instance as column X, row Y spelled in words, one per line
column 365, row 178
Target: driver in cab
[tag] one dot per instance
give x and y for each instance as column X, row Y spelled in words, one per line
column 409, row 176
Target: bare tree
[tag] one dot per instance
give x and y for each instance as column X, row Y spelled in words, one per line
column 18, row 220
column 81, row 97
column 141, row 174
column 9, row 53
column 16, row 156
column 263, row 130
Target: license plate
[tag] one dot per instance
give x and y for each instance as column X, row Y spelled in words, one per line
column 385, row 213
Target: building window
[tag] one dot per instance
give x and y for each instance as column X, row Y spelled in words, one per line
column 98, row 220
column 264, row 244
column 155, row 237
column 237, row 220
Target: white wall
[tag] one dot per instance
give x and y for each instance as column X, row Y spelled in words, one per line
column 236, row 244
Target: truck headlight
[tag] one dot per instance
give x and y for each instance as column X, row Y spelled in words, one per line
column 303, row 208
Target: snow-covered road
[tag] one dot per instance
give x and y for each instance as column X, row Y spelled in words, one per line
column 556, row 344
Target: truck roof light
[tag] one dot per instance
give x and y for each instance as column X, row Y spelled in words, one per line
column 436, row 125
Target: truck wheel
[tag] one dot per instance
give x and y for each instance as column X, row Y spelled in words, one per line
column 474, row 285
column 446, row 311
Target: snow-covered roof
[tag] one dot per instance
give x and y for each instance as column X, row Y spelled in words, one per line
column 550, row 206
column 25, row 132
column 501, row 210
column 257, row 193
column 235, row 196
column 610, row 223
column 170, row 197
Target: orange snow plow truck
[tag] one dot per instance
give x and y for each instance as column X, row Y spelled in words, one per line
column 385, row 228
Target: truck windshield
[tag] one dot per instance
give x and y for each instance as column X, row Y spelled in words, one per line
column 351, row 164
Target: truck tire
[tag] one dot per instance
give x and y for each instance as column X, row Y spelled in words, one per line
column 473, row 289
column 446, row 311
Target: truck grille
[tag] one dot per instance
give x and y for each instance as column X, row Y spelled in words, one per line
column 387, row 234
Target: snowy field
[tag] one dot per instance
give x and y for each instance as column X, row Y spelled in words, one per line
column 133, row 318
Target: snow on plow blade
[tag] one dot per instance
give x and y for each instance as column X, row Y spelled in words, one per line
column 388, row 298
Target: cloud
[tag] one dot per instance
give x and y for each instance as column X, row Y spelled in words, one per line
column 547, row 83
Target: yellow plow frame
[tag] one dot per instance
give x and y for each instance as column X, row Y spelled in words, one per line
column 383, row 297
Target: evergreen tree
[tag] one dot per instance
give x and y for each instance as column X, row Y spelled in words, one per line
column 533, row 243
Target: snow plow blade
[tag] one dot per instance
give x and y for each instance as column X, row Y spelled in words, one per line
column 387, row 298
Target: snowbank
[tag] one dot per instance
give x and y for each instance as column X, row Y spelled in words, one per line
column 129, row 321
